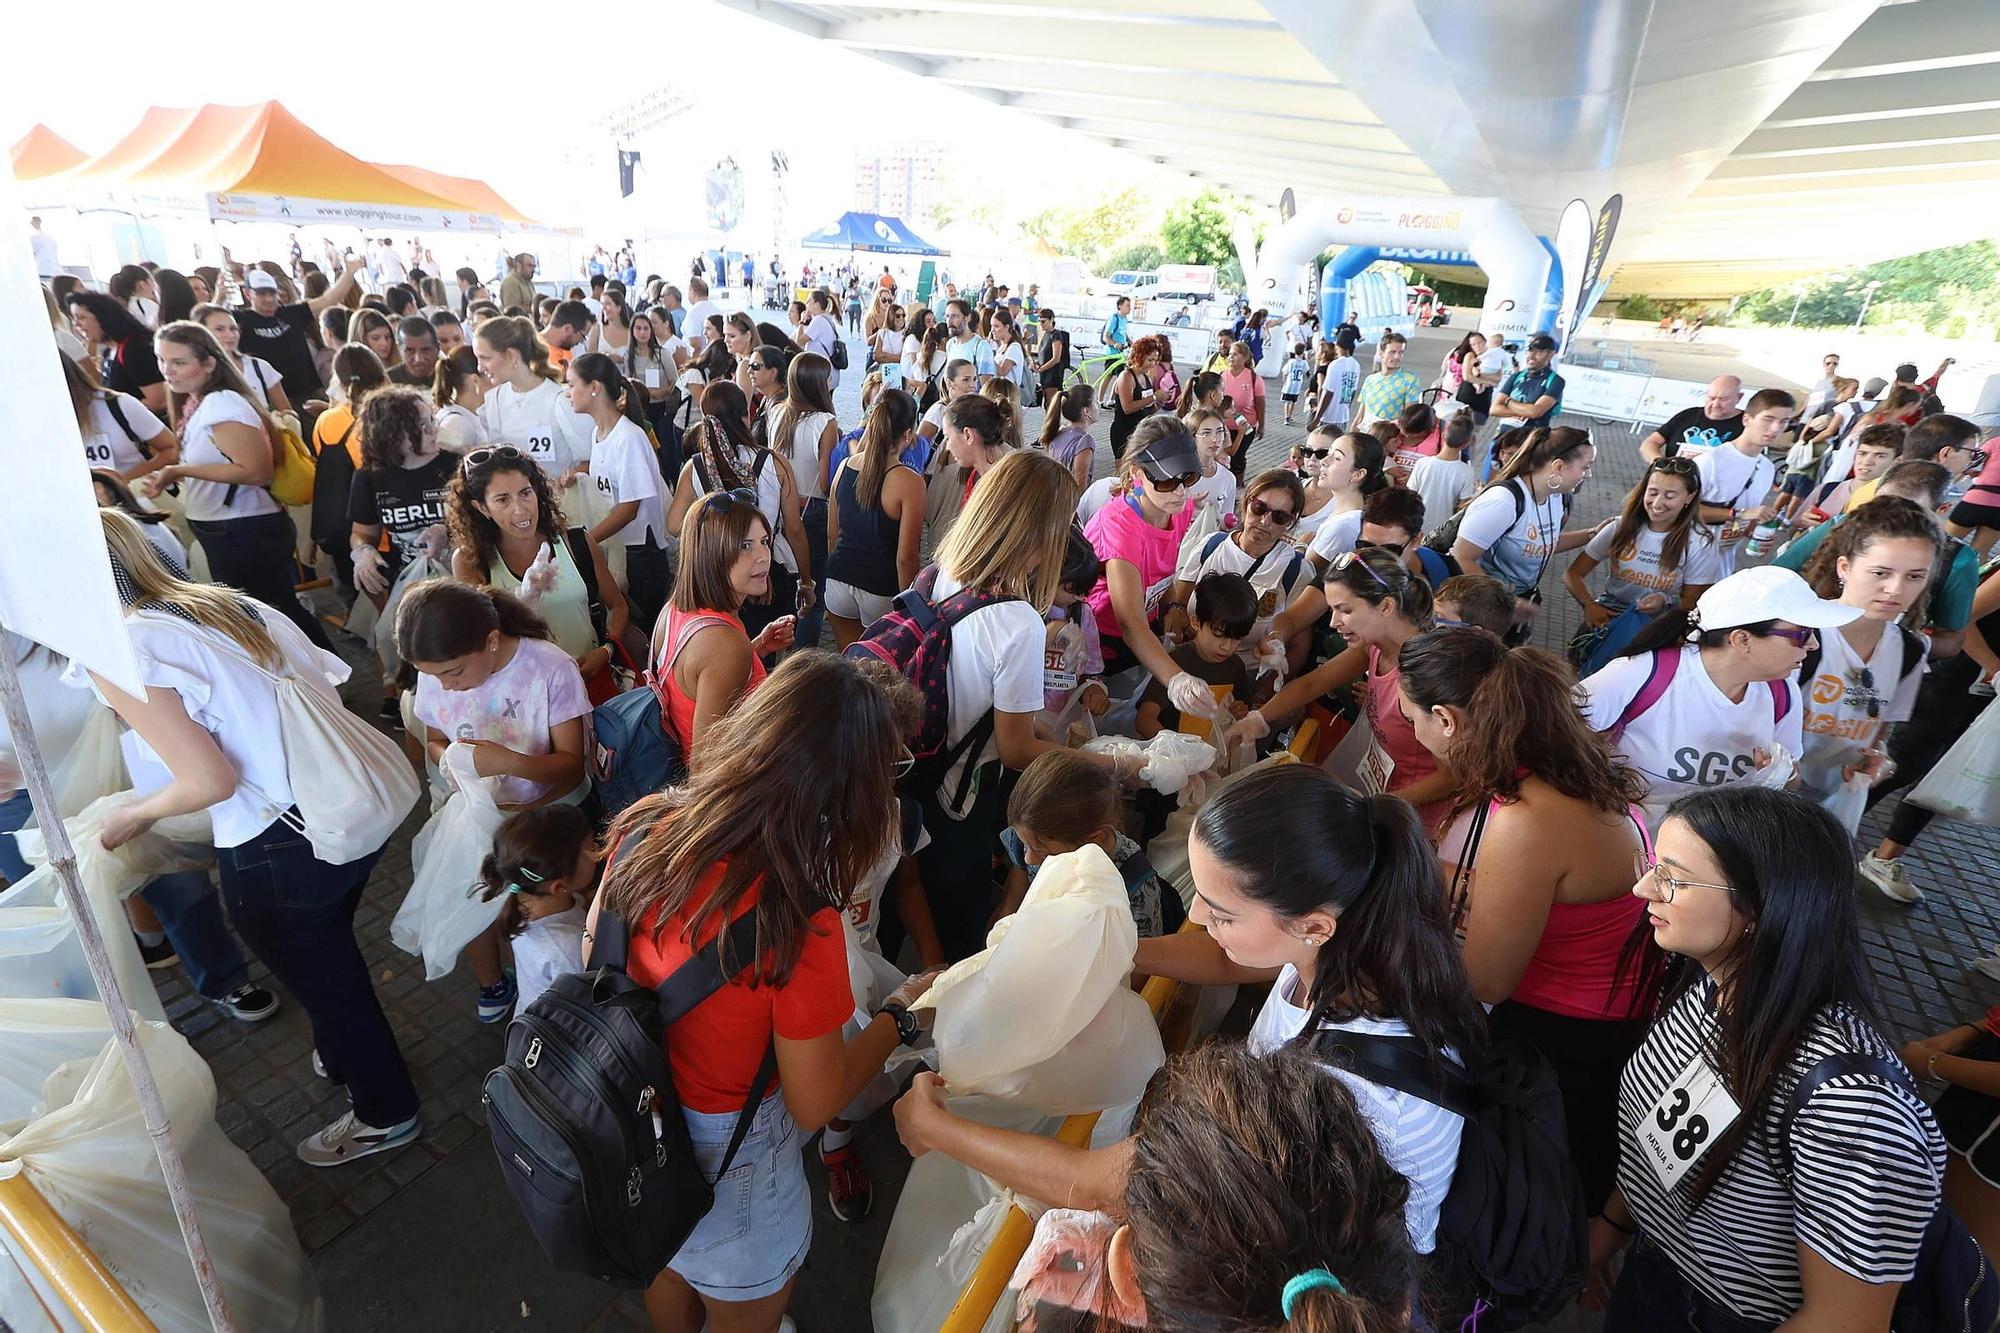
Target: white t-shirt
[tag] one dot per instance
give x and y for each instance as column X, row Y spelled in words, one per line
column 1275, row 578
column 259, row 375
column 890, row 342
column 1518, row 533
column 1095, row 497
column 145, row 311
column 1443, row 483
column 803, row 453
column 105, row 443
column 204, row 499
column 1419, row 1138
column 538, row 422
column 997, row 655
column 695, row 326
column 1693, row 736
column 1343, row 377
column 546, row 949
column 459, row 429
column 1627, row 578
column 625, row 468
column 390, row 265
column 973, row 348
column 46, row 262
column 1335, row 533
column 1219, row 487
column 1010, row 362
column 821, row 334
column 233, row 701
column 1837, row 725
column 1731, row 477
column 517, row 706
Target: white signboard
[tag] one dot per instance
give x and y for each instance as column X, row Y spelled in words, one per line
column 1185, row 278
column 55, row 578
column 1191, row 345
column 285, row 208
column 1603, row 393
column 1664, row 397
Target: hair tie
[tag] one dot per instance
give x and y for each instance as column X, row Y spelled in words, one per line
column 1310, row 1280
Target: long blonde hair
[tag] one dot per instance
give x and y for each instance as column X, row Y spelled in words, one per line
column 153, row 584
column 1014, row 532
column 514, row 333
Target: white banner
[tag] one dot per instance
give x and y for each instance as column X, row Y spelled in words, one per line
column 289, row 208
column 1191, row 345
column 1602, row 393
column 1664, row 397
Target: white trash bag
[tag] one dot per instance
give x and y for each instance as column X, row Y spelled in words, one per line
column 93, row 767
column 443, row 912
column 70, row 1121
column 1965, row 784
column 1173, row 758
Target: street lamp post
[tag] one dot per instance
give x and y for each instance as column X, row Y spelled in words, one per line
column 1867, row 295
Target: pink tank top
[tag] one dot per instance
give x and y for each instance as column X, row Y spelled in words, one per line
column 676, row 704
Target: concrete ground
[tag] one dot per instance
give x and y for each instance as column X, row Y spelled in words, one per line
column 428, row 1238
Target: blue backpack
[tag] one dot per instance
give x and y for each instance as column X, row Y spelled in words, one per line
column 634, row 756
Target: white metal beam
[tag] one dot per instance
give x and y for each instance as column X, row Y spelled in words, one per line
column 1266, row 53
column 1326, row 103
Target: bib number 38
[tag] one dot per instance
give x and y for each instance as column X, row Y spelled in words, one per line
column 1685, row 1122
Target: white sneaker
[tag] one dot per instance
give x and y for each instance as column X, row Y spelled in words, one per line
column 1988, row 966
column 1887, row 875
column 348, row 1139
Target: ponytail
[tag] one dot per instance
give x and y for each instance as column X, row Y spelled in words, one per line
column 990, row 419
column 724, row 437
column 1066, row 410
column 895, row 416
column 1540, row 447
column 599, row 369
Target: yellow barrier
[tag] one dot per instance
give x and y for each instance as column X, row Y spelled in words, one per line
column 988, row 1282
column 49, row 1245
column 1303, row 740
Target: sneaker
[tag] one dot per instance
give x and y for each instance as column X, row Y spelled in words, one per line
column 1981, row 688
column 157, row 956
column 248, row 1003
column 1888, row 876
column 1988, row 966
column 849, row 1192
column 496, row 1000
column 347, row 1140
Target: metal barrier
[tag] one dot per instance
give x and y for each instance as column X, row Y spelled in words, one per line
column 51, row 1246
column 988, row 1282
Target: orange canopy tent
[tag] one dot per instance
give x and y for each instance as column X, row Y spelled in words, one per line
column 261, row 163
column 43, row 152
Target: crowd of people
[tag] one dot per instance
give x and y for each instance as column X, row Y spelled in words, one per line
column 1633, row 859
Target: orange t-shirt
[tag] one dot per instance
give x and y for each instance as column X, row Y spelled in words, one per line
column 559, row 357
column 716, row 1048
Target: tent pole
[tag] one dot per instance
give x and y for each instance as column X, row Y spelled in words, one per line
column 62, row 859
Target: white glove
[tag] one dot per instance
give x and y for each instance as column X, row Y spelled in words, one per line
column 437, row 542
column 1252, row 727
column 1126, row 767
column 1776, row 772
column 540, row 575
column 1191, row 695
column 371, row 575
column 1271, row 659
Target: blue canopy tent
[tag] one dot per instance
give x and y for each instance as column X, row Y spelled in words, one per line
column 871, row 232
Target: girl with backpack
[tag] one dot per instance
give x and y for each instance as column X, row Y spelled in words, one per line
column 1334, row 897
column 726, row 458
column 488, row 673
column 626, row 470
column 1537, row 851
column 1514, row 527
column 1864, row 678
column 703, row 660
column 1706, row 697
column 211, row 715
column 875, row 525
column 1378, row 605
column 118, row 432
column 758, row 829
column 804, row 429
column 1659, row 555
column 1776, row 1164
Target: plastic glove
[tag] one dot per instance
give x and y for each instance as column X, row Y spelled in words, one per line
column 1127, row 767
column 913, row 989
column 1774, row 768
column 540, row 575
column 371, row 575
column 1248, row 730
column 437, row 542
column 1271, row 659
column 1191, row 695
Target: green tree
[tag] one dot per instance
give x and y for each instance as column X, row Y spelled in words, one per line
column 1197, row 230
column 1140, row 256
column 1939, row 290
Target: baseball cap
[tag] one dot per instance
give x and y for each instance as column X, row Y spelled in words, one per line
column 1172, row 455
column 257, row 280
column 1751, row 596
column 1874, row 387
column 1541, row 342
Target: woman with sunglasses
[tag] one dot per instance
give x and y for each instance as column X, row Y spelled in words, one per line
column 1138, row 538
column 1259, row 548
column 504, row 519
column 885, row 341
column 1776, row 1166
column 1864, row 678
column 1343, row 468
column 1377, row 605
column 1659, row 554
column 1704, row 698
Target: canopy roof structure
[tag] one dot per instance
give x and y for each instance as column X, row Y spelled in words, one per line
column 42, row 152
column 260, row 162
column 1754, row 141
column 871, row 232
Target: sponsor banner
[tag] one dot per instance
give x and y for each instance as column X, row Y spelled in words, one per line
column 292, row 209
column 1602, row 393
column 1664, row 397
column 1595, row 277
column 1572, row 247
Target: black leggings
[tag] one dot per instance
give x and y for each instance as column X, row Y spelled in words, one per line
column 1943, row 713
column 254, row 555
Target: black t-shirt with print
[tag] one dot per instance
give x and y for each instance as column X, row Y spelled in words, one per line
column 404, row 502
column 132, row 367
column 1693, row 428
column 1229, row 671
column 280, row 338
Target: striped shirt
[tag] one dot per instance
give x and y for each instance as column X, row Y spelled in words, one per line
column 1419, row 1139
column 1866, row 1171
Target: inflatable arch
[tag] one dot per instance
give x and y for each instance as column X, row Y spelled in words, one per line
column 1523, row 287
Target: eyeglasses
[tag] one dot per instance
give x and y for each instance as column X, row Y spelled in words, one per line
column 1363, row 544
column 1668, row 885
column 1347, row 559
column 903, row 764
column 1314, row 453
column 1280, row 518
column 1173, row 483
column 1798, row 638
column 486, row 453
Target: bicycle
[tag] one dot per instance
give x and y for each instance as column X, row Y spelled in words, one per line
column 1099, row 370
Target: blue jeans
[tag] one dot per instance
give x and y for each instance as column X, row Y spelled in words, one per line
column 297, row 913
column 186, row 903
column 1653, row 1297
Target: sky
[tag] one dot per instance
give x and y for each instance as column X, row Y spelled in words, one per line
column 429, row 85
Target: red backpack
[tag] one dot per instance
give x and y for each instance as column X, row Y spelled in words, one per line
column 914, row 637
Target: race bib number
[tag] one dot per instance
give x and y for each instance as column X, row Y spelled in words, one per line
column 652, row 377
column 1374, row 770
column 97, row 450
column 604, row 488
column 1687, row 1119
column 541, row 446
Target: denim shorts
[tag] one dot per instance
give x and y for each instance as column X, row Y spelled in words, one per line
column 755, row 1238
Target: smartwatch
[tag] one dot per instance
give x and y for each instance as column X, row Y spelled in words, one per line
column 907, row 1030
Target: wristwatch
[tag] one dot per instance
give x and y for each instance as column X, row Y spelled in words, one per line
column 905, row 1021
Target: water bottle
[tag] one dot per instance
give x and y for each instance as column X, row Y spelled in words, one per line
column 1761, row 539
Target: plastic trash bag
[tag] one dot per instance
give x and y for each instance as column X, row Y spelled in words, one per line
column 70, row 1122
column 415, row 571
column 874, row 978
column 94, row 767
column 1849, row 803
column 1965, row 784
column 1207, row 522
column 1172, row 757
column 443, row 912
column 1168, row 850
column 1777, row 775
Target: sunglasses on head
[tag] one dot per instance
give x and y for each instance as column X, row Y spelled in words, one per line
column 1280, row 518
column 1348, row 559
column 486, row 453
column 722, row 502
column 1678, row 466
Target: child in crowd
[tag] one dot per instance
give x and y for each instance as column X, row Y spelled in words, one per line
column 1223, row 612
column 1476, row 599
column 1878, row 447
column 1073, row 670
column 545, row 860
column 1297, row 369
column 1064, row 801
column 1445, row 479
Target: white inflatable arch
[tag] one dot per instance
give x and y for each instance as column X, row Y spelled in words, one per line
column 1515, row 262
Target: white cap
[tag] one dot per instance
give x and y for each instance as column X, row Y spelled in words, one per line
column 1751, row 596
column 257, row 280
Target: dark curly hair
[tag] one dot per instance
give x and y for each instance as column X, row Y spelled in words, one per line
column 393, row 421
column 472, row 530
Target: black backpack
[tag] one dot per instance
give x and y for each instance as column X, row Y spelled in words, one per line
column 585, row 1119
column 1512, row 1234
column 1955, row 1287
